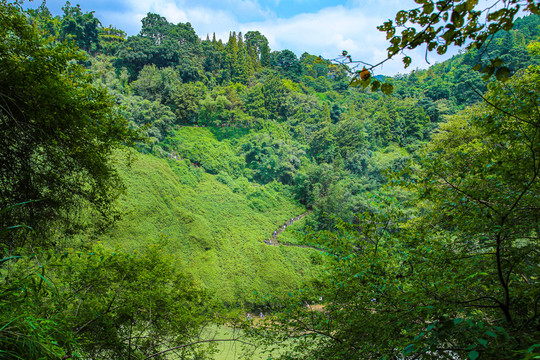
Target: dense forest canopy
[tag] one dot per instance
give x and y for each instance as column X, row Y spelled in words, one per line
column 155, row 187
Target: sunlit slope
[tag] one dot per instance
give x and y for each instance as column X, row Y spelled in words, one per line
column 215, row 233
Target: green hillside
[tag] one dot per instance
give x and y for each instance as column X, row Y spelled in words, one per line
column 142, row 179
column 214, row 231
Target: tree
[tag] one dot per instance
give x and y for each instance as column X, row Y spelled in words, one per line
column 287, row 63
column 255, row 102
column 257, row 45
column 243, row 66
column 156, row 84
column 272, row 159
column 154, row 119
column 83, row 29
column 447, row 22
column 274, row 95
column 58, row 131
column 440, row 24
column 185, row 99
column 160, row 43
column 44, row 20
column 100, row 304
column 483, row 183
column 110, row 38
column 460, row 278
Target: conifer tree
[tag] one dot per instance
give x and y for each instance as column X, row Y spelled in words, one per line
column 242, row 67
column 231, row 54
column 255, row 104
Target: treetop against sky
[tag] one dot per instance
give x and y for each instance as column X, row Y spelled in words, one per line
column 320, row 27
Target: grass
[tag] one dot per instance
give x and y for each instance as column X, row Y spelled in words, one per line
column 233, row 350
column 215, row 231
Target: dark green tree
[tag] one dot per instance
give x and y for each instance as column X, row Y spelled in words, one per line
column 287, row 63
column 160, row 43
column 43, row 18
column 258, row 49
column 242, row 68
column 255, row 102
column 59, row 131
column 457, row 280
column 101, row 304
column 274, row 96
column 81, row 28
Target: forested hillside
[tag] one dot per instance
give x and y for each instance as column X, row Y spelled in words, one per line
column 143, row 177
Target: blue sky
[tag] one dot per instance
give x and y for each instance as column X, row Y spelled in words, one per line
column 319, row 27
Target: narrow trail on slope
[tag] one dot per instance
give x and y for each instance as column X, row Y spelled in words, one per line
column 273, row 241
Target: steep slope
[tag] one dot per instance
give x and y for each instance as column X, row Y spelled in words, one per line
column 215, row 233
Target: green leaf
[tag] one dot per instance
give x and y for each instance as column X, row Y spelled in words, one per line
column 355, row 82
column 482, row 342
column 473, row 355
column 407, row 61
column 428, row 7
column 409, row 349
column 441, row 49
column 491, row 333
column 387, row 88
column 365, row 83
column 502, row 74
column 9, row 258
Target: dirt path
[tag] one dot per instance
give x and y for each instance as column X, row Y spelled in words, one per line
column 273, row 240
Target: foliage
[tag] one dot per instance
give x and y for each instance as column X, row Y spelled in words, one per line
column 451, row 22
column 79, row 27
column 440, row 24
column 58, row 129
column 460, row 278
column 241, row 138
column 272, row 159
column 99, row 304
column 483, row 184
column 152, row 118
column 160, row 43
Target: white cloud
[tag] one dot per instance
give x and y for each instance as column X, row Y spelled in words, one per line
column 353, row 28
column 327, row 32
column 205, row 18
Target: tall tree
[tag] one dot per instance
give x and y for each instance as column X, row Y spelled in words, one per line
column 258, row 48
column 242, row 67
column 287, row 63
column 59, row 130
column 160, row 43
column 82, row 28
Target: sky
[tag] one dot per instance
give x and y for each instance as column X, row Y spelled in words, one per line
column 319, row 27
